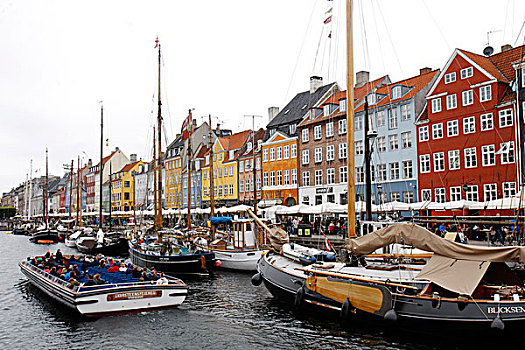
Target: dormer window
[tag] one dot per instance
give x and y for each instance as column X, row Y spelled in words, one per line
column 326, row 110
column 396, row 92
column 342, row 105
column 293, row 129
column 232, row 154
column 248, row 147
column 372, row 99
column 259, row 144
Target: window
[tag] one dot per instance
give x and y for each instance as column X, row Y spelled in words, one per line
column 466, row 73
column 406, row 139
column 292, row 129
column 396, row 92
column 279, row 153
column 272, row 178
column 440, row 195
column 317, row 132
column 486, row 122
column 318, row 157
column 342, row 105
column 330, row 152
column 455, row 193
column 437, row 131
column 318, row 177
column 381, row 172
column 330, row 176
column 231, row 187
column 293, row 151
column 439, row 161
column 436, row 105
column 490, row 192
column 231, row 170
column 453, row 159
column 426, row 195
column 371, row 99
column 326, row 110
column 304, row 135
column 467, row 98
column 485, row 93
column 450, row 78
column 343, row 174
column 294, row 176
column 488, row 157
column 452, row 101
column 509, row 188
column 408, row 197
column 359, row 148
column 381, row 144
column 342, row 126
column 380, row 118
column 424, row 163
column 452, row 128
column 392, row 118
column 241, row 187
column 265, row 178
column 407, row 169
column 265, row 155
column 286, row 177
column 241, row 168
column 359, row 174
column 272, row 153
column 220, row 190
column 279, row 176
column 471, row 194
column 306, row 156
column 286, row 152
column 423, row 133
column 358, row 122
column 394, row 171
column 342, row 150
column 405, row 112
column 469, row 125
column 393, row 142
column 329, row 129
column 470, row 157
column 220, row 156
column 126, row 184
column 505, row 118
column 507, row 152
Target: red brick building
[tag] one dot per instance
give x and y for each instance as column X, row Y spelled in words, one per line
column 467, row 147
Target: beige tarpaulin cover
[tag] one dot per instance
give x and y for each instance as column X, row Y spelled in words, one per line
column 460, row 276
column 278, row 237
column 419, row 237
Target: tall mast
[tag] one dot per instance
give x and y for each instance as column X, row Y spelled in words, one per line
column 368, row 174
column 101, row 163
column 155, row 181
column 26, row 196
column 30, row 186
column 190, row 125
column 159, row 168
column 110, row 194
column 78, row 192
column 350, row 119
column 70, row 185
column 212, row 189
column 254, row 168
column 46, row 194
column 134, row 204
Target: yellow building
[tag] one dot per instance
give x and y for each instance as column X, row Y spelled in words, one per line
column 225, row 169
column 122, row 187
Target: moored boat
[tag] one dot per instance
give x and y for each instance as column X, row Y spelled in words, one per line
column 121, row 293
column 45, row 236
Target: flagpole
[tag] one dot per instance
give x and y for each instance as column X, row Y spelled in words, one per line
column 188, row 127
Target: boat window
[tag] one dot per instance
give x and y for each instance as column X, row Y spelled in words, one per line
column 248, row 227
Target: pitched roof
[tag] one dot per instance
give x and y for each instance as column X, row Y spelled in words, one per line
column 295, row 110
column 498, row 65
column 129, row 166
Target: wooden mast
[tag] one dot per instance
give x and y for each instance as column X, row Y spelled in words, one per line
column 46, row 210
column 212, row 189
column 155, row 181
column 350, row 119
column 159, row 167
column 190, row 127
column 71, row 185
column 254, row 168
column 101, row 167
column 78, row 182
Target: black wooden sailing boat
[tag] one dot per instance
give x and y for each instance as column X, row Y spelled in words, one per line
column 166, row 253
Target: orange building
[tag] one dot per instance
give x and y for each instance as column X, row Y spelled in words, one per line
column 279, row 165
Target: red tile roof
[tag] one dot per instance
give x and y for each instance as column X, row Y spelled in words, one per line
column 129, row 166
column 499, row 65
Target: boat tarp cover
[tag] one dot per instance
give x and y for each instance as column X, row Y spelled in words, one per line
column 220, row 220
column 421, row 238
column 460, row 276
column 278, row 237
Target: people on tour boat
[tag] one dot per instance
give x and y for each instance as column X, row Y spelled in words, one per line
column 58, row 256
column 90, row 281
column 162, row 279
column 72, row 283
column 98, row 280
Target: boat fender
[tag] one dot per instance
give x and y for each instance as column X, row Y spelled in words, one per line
column 299, row 296
column 345, row 309
column 497, row 323
column 257, row 279
column 218, row 263
column 391, row 315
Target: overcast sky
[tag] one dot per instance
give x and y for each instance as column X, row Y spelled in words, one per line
column 228, row 58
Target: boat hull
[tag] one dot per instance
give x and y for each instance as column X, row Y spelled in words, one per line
column 105, row 300
column 45, row 236
column 282, row 282
column 177, row 265
column 238, row 260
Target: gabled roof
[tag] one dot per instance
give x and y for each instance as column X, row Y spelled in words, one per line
column 243, row 152
column 232, row 143
column 295, row 110
column 129, row 166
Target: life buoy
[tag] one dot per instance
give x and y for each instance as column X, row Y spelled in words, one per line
column 299, row 296
column 257, row 279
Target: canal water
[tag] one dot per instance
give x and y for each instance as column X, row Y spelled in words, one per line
column 223, row 312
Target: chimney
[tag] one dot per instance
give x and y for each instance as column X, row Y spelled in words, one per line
column 133, row 157
column 424, row 70
column 194, row 122
column 218, row 129
column 361, row 78
column 315, row 83
column 116, row 149
column 90, row 163
column 506, row 47
column 272, row 112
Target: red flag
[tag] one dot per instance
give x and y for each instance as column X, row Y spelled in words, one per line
column 328, row 20
column 328, row 245
column 187, row 128
column 156, row 42
column 330, row 35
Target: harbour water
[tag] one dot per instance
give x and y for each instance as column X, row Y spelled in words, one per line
column 223, row 312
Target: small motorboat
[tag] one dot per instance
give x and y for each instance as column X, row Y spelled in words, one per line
column 45, row 236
